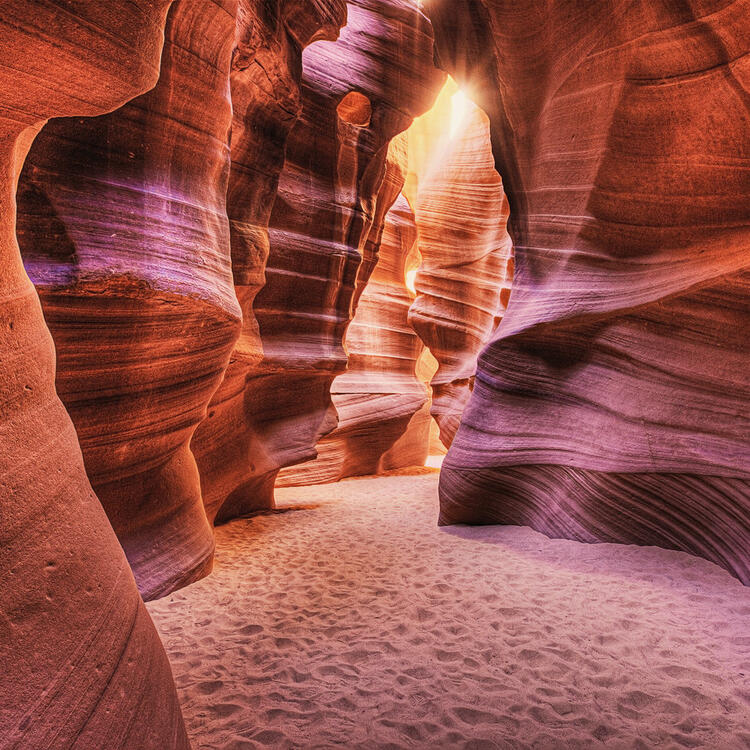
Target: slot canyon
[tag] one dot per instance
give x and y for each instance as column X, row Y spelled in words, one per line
column 374, row 374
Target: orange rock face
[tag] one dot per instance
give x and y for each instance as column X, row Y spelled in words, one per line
column 357, row 94
column 265, row 83
column 463, row 282
column 82, row 665
column 611, row 403
column 379, row 395
column 124, row 231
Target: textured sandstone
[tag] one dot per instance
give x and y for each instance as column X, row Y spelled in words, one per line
column 379, row 398
column 265, row 84
column 80, row 662
column 463, row 282
column 124, row 231
column 611, row 403
column 357, row 93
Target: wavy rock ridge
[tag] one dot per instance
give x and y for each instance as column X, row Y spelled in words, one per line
column 265, row 85
column 124, row 228
column 464, row 280
column 131, row 260
column 82, row 665
column 611, row 403
column 357, row 94
column 379, row 396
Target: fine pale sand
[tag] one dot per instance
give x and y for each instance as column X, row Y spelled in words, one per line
column 355, row 622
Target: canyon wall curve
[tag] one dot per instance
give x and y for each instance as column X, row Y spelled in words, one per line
column 82, row 662
column 610, row 404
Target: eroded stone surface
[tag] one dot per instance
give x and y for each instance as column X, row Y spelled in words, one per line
column 265, row 84
column 611, row 404
column 379, row 398
column 464, row 279
column 357, row 94
column 123, row 227
column 82, row 665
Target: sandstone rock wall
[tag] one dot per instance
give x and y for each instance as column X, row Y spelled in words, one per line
column 611, row 404
column 464, row 279
column 124, row 231
column 82, row 665
column 265, row 85
column 357, row 94
column 379, row 395
column 124, row 228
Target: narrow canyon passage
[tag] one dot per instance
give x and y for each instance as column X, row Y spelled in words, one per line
column 264, row 264
column 347, row 619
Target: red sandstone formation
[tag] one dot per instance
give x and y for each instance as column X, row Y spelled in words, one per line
column 265, row 82
column 466, row 270
column 357, row 94
column 82, row 665
column 611, row 403
column 379, row 395
column 123, row 229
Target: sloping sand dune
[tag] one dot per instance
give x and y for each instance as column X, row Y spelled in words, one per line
column 353, row 621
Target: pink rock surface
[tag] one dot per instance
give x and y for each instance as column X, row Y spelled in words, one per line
column 80, row 662
column 357, row 94
column 265, row 84
column 379, row 395
column 611, row 404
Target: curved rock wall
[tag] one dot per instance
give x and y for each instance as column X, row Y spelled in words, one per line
column 463, row 282
column 611, row 404
column 123, row 228
column 265, row 81
column 357, row 94
column 379, row 394
column 82, row 665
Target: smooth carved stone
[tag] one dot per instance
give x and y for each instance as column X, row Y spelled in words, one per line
column 123, row 228
column 81, row 664
column 265, row 85
column 379, row 396
column 611, row 404
column 357, row 94
column 467, row 259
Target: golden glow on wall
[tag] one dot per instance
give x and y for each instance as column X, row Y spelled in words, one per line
column 411, row 277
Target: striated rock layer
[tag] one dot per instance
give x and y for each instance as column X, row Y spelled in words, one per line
column 611, row 403
column 80, row 662
column 265, row 84
column 124, row 231
column 356, row 95
column 463, row 282
column 379, row 395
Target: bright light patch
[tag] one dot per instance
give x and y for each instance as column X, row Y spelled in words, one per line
column 411, row 278
column 461, row 107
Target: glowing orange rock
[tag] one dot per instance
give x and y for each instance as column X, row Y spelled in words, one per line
column 357, row 94
column 463, row 281
column 123, row 229
column 80, row 662
column 379, row 395
column 265, row 83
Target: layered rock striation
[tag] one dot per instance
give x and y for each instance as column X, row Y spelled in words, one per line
column 265, row 83
column 82, row 665
column 379, row 398
column 463, row 282
column 124, row 231
column 611, row 403
column 357, row 94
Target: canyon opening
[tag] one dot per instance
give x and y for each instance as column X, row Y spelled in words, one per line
column 374, row 374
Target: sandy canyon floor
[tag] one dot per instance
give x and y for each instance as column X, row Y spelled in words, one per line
column 348, row 619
